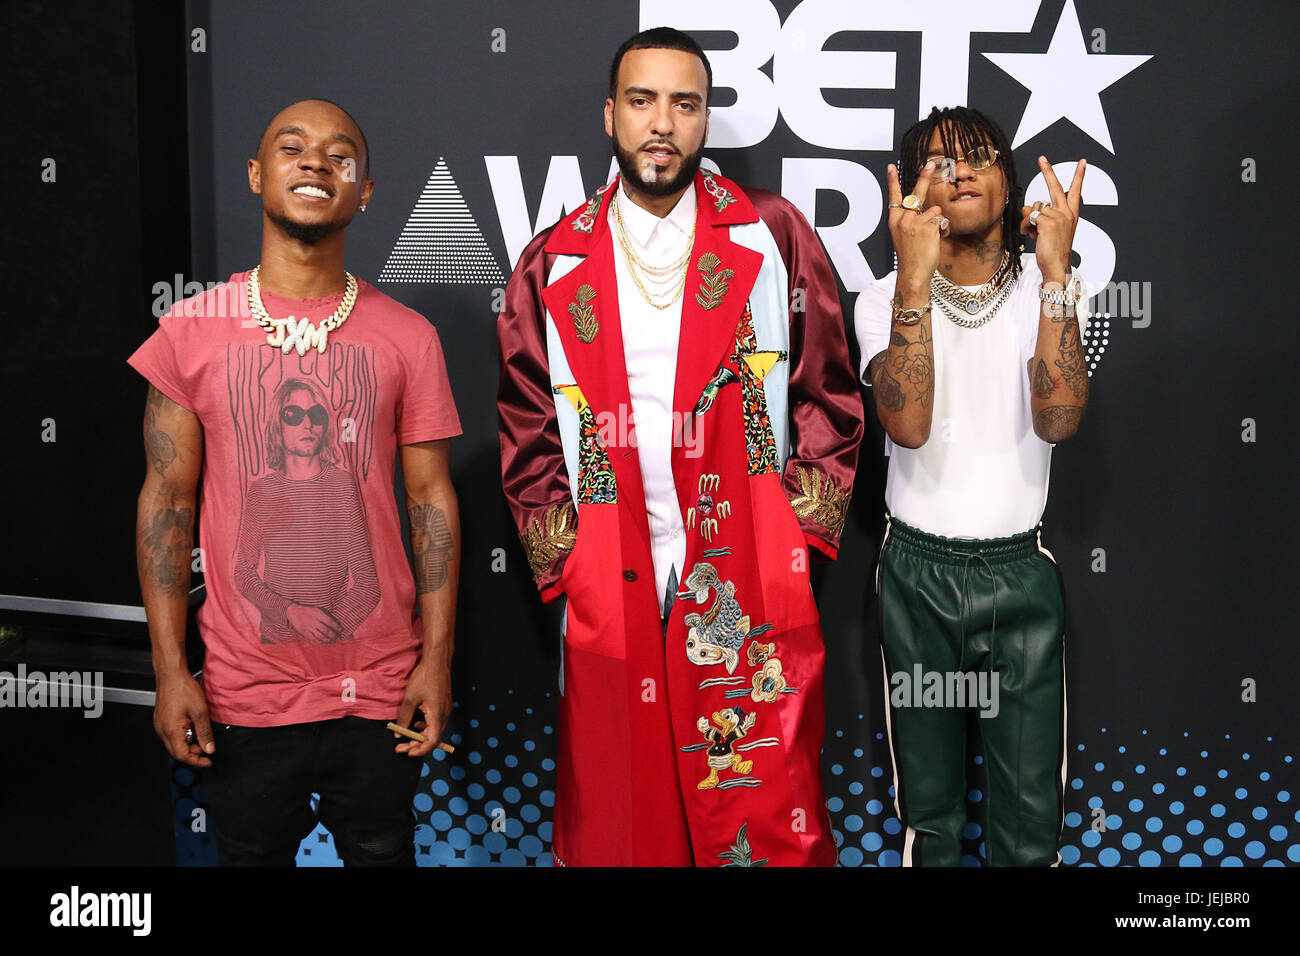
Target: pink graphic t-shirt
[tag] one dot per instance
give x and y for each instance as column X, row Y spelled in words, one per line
column 297, row 516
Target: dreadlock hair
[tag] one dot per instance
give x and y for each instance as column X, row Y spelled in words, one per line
column 961, row 129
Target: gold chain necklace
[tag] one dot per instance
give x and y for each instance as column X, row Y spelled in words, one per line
column 973, row 302
column 644, row 266
column 301, row 334
column 682, row 264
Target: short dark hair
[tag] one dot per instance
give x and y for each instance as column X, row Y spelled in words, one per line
column 659, row 38
column 966, row 128
column 365, row 144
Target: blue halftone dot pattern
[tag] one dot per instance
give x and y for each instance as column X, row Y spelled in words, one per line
column 1194, row 815
column 466, row 807
column 491, row 802
column 195, row 845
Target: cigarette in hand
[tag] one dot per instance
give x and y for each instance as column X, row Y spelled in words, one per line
column 417, row 736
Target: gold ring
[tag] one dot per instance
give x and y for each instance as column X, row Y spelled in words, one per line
column 911, row 201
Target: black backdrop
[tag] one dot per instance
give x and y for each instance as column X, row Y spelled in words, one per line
column 1170, row 513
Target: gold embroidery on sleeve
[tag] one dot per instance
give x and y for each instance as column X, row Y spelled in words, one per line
column 546, row 537
column 822, row 500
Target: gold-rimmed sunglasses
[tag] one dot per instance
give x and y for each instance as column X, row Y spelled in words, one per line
column 945, row 168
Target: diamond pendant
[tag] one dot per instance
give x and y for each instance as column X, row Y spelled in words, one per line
column 298, row 334
column 973, row 306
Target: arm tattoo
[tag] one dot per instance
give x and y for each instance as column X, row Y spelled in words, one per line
column 909, row 363
column 1056, row 422
column 913, row 364
column 164, row 548
column 1072, row 363
column 1044, row 384
column 431, row 545
column 888, row 392
column 159, row 447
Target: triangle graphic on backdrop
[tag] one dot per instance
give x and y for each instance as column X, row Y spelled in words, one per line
column 441, row 242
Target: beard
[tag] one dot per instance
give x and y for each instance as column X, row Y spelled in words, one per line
column 306, row 233
column 657, row 186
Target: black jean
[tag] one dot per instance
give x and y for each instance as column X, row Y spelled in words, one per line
column 262, row 778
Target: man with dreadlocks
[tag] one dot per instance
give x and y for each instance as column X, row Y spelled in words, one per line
column 962, row 335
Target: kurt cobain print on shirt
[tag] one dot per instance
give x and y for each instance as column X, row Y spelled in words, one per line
column 303, row 556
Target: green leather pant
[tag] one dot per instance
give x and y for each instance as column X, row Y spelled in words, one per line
column 986, row 618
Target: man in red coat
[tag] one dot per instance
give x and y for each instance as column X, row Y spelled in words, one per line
column 679, row 425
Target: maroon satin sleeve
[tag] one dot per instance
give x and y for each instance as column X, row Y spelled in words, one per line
column 533, row 473
column 825, row 403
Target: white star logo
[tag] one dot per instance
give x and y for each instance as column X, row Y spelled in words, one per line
column 1066, row 81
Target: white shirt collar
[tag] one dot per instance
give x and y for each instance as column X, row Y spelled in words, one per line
column 641, row 223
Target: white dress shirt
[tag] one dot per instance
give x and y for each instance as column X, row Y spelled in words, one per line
column 650, row 338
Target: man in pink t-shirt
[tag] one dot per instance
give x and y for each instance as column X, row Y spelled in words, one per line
column 277, row 404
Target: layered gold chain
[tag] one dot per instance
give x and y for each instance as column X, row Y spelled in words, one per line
column 962, row 298
column 654, row 274
column 963, row 308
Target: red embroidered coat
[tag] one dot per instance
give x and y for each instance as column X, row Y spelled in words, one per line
column 702, row 746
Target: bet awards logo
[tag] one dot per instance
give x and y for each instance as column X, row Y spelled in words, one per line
column 443, row 242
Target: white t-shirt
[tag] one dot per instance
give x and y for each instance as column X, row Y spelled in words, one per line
column 650, row 339
column 983, row 473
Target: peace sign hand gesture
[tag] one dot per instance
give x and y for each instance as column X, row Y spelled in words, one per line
column 1052, row 224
